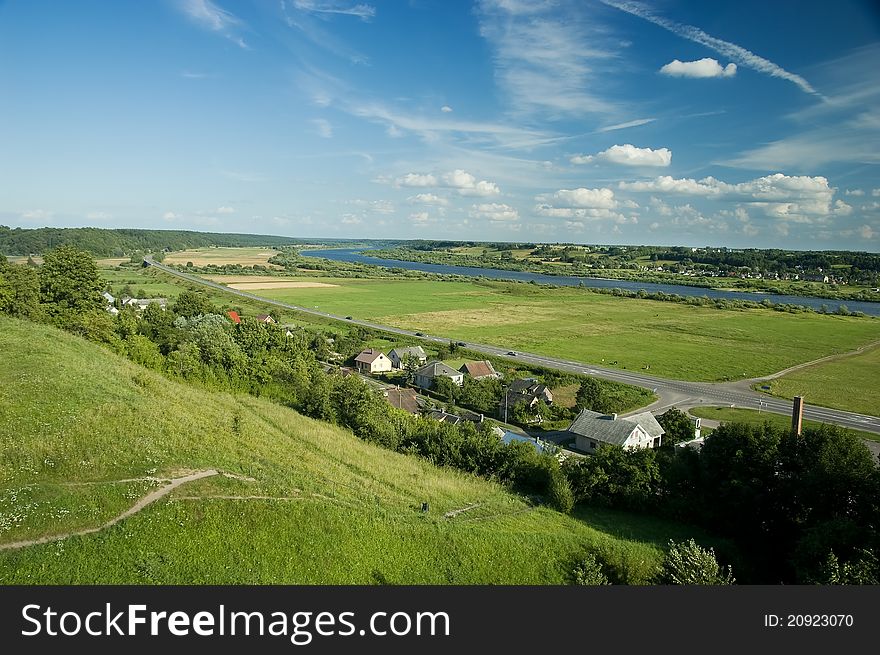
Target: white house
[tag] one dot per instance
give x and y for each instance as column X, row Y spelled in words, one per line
column 425, row 376
column 372, row 361
column 592, row 429
column 398, row 355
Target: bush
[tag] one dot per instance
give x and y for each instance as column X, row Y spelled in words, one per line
column 687, row 563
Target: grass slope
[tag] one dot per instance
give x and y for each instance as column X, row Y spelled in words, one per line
column 340, row 510
column 674, row 340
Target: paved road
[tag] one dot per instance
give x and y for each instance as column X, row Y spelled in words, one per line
column 669, row 392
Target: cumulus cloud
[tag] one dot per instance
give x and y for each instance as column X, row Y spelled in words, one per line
column 628, row 155
column 225, row 210
column 467, row 184
column 583, row 204
column 587, row 198
column 706, row 67
column 867, row 232
column 495, row 212
column 875, row 193
column 420, row 217
column 351, row 219
column 374, row 206
column 446, row 109
column 796, row 198
column 416, row 180
column 855, row 192
column 428, row 199
column 169, row 216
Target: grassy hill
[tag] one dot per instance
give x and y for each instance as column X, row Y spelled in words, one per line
column 84, row 433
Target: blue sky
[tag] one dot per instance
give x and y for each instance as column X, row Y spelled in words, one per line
column 745, row 124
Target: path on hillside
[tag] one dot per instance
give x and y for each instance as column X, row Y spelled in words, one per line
column 669, row 392
column 149, row 499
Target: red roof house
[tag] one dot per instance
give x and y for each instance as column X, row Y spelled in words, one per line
column 233, row 316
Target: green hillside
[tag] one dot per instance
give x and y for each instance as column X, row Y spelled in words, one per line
column 83, row 431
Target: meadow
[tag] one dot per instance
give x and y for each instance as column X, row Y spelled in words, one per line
column 85, row 433
column 831, row 383
column 667, row 339
column 754, row 417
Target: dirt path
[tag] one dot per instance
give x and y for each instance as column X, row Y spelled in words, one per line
column 149, row 499
column 828, row 358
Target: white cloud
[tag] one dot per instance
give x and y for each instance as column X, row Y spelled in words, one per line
column 706, row 67
column 374, row 206
column 416, row 180
column 796, row 198
column 495, row 212
column 467, row 184
column 98, row 216
column 429, row 199
column 628, row 155
column 867, row 232
column 855, row 192
column 225, row 210
column 591, row 198
column 420, row 217
column 729, row 50
column 323, row 127
column 362, row 11
column 623, row 126
column 875, row 193
column 213, row 18
column 36, row 215
column 170, row 216
column 446, row 109
column 351, row 219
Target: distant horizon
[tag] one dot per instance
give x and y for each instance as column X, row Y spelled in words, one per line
column 747, row 123
column 477, row 241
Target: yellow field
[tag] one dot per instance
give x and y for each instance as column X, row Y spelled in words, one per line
column 220, row 256
column 251, row 282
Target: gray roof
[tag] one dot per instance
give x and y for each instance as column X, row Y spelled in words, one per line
column 435, row 369
column 648, row 423
column 415, row 351
column 602, row 427
column 444, row 417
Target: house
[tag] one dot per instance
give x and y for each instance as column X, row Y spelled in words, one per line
column 372, row 361
column 398, row 356
column 424, row 377
column 531, row 387
column 265, row 318
column 142, row 303
column 592, row 429
column 233, row 316
column 528, row 391
column 111, row 303
column 509, row 437
column 444, row 417
column 405, row 399
column 479, row 370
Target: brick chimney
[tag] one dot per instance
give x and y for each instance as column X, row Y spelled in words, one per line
column 797, row 415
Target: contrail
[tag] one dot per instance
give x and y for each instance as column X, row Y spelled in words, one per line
column 737, row 53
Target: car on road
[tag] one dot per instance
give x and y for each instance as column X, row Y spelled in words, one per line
column 419, row 334
column 462, row 343
column 511, row 352
column 348, row 318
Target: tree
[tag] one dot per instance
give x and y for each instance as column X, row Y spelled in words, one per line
column 687, row 563
column 19, row 290
column 677, row 425
column 70, row 281
column 446, row 388
column 591, row 395
column 589, row 572
column 191, row 304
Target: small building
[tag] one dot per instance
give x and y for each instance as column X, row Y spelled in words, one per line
column 265, row 318
column 142, row 303
column 372, row 360
column 480, row 370
column 233, row 316
column 398, row 356
column 424, row 377
column 444, row 417
column 509, row 437
column 531, row 387
column 405, row 399
column 592, row 430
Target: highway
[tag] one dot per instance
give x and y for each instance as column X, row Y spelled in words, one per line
column 669, row 392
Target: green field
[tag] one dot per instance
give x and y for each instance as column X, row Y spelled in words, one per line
column 84, row 430
column 670, row 339
column 851, row 383
column 754, row 417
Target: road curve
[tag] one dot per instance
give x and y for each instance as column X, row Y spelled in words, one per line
column 669, row 392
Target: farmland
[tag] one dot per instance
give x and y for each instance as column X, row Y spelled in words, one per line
column 88, row 432
column 671, row 340
column 220, row 256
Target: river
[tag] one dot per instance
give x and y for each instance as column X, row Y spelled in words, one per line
column 355, row 256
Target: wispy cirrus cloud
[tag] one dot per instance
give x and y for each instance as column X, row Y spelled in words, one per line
column 362, row 11
column 214, row 18
column 732, row 51
column 622, row 126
